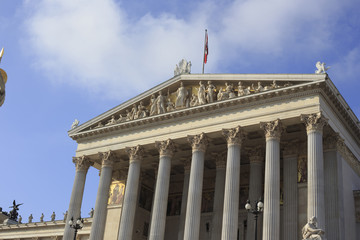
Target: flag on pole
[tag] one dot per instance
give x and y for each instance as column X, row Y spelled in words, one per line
column 1, row 53
column 206, row 51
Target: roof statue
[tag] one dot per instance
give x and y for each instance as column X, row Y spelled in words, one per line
column 184, row 67
column 13, row 214
column 321, row 67
column 75, row 124
column 3, row 79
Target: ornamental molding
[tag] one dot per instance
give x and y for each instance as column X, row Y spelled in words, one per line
column 82, row 163
column 166, row 148
column 198, row 142
column 272, row 129
column 314, row 122
column 234, row 136
column 135, row 153
column 107, row 158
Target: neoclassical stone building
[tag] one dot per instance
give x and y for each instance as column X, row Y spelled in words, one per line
column 180, row 160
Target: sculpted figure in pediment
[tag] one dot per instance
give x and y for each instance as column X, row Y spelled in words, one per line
column 170, row 105
column 230, row 90
column 111, row 121
column 128, row 115
column 141, row 113
column 181, row 96
column 133, row 112
column 220, row 94
column 160, row 103
column 259, row 88
column 153, row 107
column 194, row 101
column 201, row 93
column 210, row 97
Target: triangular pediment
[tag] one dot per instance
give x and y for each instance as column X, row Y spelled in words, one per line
column 187, row 91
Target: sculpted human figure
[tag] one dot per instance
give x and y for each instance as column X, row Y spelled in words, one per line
column 170, row 106
column 259, row 88
column 181, row 95
column 201, row 93
column 53, row 216
column 240, row 89
column 42, row 217
column 219, row 95
column 274, row 85
column 160, row 103
column 210, row 97
column 153, row 105
column 194, row 101
column 128, row 115
column 65, row 216
column 20, row 219
column 111, row 121
column 141, row 113
column 133, row 112
column 91, row 213
column 310, row 230
column 30, row 218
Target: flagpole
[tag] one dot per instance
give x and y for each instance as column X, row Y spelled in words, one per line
column 204, row 52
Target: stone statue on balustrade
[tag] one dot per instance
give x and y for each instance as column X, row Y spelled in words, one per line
column 311, row 232
column 65, row 216
column 211, row 89
column 183, row 67
column 91, row 213
column 20, row 219
column 321, row 67
column 30, row 218
column 42, row 217
column 181, row 96
column 53, row 217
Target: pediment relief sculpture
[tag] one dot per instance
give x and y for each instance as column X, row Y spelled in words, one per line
column 189, row 95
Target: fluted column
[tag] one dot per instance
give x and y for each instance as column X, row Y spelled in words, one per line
column 131, row 193
column 271, row 224
column 316, row 200
column 158, row 219
column 290, row 207
column 98, row 224
column 234, row 138
column 256, row 157
column 334, row 206
column 220, row 161
column 82, row 165
column 187, row 164
column 193, row 209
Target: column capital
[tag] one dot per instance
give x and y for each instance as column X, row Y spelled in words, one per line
column 291, row 149
column 107, row 158
column 198, row 142
column 135, row 153
column 256, row 154
column 82, row 163
column 272, row 129
column 314, row 122
column 234, row 136
column 220, row 160
column 166, row 148
column 187, row 164
column 332, row 141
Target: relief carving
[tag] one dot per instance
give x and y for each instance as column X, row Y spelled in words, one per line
column 198, row 142
column 272, row 129
column 82, row 163
column 166, row 148
column 107, row 158
column 314, row 122
column 135, row 153
column 234, row 135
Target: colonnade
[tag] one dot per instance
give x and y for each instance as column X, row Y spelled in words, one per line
column 227, row 184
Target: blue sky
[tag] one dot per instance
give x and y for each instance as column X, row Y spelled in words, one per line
column 70, row 59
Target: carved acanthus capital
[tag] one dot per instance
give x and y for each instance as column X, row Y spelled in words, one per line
column 82, row 163
column 135, row 153
column 314, row 122
column 291, row 149
column 256, row 154
column 234, row 136
column 107, row 158
column 166, row 148
column 272, row 129
column 187, row 164
column 198, row 142
column 220, row 160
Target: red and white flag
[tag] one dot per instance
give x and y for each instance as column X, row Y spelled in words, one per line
column 206, row 48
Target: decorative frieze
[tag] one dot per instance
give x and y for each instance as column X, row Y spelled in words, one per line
column 107, row 158
column 314, row 122
column 82, row 163
column 198, row 142
column 135, row 153
column 234, row 135
column 272, row 129
column 166, row 148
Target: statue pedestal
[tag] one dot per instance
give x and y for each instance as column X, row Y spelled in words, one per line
column 10, row 222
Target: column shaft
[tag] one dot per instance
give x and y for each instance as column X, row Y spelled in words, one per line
column 131, row 194
column 231, row 197
column 82, row 166
column 184, row 202
column 98, row 224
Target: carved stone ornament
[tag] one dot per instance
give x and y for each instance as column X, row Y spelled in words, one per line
column 82, row 163
column 75, row 124
column 107, row 158
column 321, row 67
column 187, row 164
column 198, row 142
column 273, row 129
column 314, row 122
column 234, row 136
column 183, row 67
column 135, row 153
column 256, row 154
column 166, row 148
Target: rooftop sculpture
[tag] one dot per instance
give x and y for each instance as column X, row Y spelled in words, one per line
column 13, row 214
column 321, row 67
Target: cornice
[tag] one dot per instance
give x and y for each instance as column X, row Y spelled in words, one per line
column 299, row 90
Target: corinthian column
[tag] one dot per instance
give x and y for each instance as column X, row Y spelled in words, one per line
column 131, row 192
column 98, row 225
column 256, row 157
column 271, row 224
column 82, row 165
column 290, row 208
column 316, row 200
column 193, row 209
column 187, row 164
column 158, row 219
column 234, row 138
column 220, row 161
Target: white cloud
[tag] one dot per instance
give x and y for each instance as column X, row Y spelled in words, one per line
column 346, row 69
column 94, row 44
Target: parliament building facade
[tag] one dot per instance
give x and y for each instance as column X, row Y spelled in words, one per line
column 180, row 161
